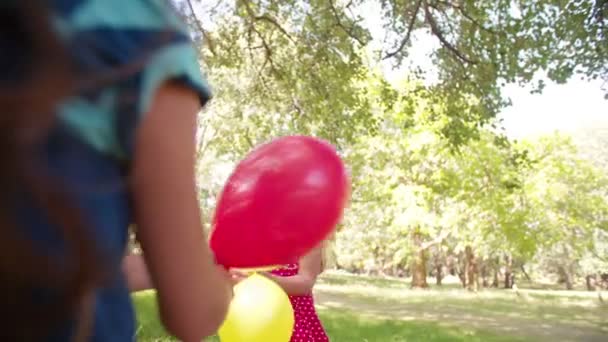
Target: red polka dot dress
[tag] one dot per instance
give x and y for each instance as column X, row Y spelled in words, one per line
column 308, row 327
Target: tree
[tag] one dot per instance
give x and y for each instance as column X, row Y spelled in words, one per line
column 306, row 57
column 416, row 193
column 569, row 198
column 277, row 68
column 429, row 176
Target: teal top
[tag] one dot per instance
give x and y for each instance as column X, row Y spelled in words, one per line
column 143, row 42
column 127, row 48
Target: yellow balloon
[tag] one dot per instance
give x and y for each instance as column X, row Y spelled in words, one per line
column 260, row 312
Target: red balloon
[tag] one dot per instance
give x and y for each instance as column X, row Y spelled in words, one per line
column 282, row 200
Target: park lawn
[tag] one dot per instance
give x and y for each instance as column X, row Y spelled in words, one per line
column 526, row 303
column 345, row 325
column 342, row 325
column 528, row 313
column 368, row 309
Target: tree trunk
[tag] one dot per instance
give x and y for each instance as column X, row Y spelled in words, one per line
column 523, row 270
column 591, row 282
column 509, row 278
column 484, row 275
column 496, row 272
column 439, row 267
column 569, row 282
column 419, row 270
column 508, row 281
column 472, row 270
column 460, row 266
column 418, row 263
column 567, row 277
column 439, row 276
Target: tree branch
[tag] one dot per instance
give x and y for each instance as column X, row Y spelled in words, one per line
column 204, row 143
column 466, row 15
column 274, row 23
column 200, row 27
column 267, row 50
column 597, row 255
column 266, row 18
column 248, row 139
column 444, row 42
column 446, row 19
column 439, row 239
column 296, row 105
column 408, row 33
column 348, row 31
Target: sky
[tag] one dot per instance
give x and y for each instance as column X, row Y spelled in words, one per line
column 564, row 107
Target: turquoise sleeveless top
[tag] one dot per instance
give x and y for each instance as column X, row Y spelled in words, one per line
column 133, row 46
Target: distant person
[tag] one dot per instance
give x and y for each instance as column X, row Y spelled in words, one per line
column 99, row 100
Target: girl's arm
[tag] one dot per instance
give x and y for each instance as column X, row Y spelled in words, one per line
column 193, row 293
column 136, row 272
column 138, row 277
column 310, row 266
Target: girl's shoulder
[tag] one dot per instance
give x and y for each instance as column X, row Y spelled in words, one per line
column 124, row 51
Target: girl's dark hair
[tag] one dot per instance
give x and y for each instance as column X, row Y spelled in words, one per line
column 36, row 76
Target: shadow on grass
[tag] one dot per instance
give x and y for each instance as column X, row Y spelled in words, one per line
column 500, row 312
column 344, row 326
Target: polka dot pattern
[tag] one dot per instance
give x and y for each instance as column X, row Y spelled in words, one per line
column 308, row 327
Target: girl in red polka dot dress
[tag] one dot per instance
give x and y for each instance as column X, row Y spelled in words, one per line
column 298, row 280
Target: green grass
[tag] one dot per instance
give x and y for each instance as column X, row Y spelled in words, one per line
column 370, row 309
column 347, row 326
column 341, row 325
column 530, row 314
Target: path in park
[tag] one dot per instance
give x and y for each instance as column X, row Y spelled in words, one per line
column 532, row 329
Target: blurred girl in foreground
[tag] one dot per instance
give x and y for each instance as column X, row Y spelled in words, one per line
column 99, row 101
